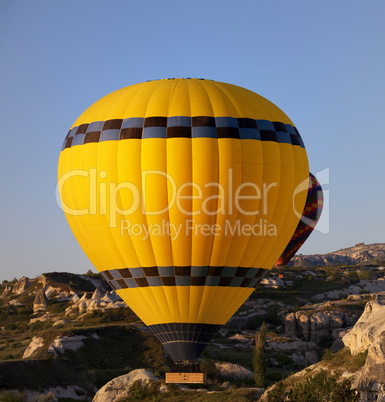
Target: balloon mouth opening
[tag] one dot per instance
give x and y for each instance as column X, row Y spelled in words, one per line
column 184, row 342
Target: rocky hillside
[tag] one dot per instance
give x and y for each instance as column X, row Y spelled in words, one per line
column 67, row 335
column 361, row 358
column 359, row 254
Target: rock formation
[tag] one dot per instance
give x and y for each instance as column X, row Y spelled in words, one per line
column 7, row 290
column 315, row 325
column 368, row 328
column 41, row 301
column 98, row 294
column 353, row 255
column 354, row 292
column 120, row 387
column 233, row 371
column 66, row 343
column 21, row 285
column 36, row 343
column 99, row 300
column 371, row 379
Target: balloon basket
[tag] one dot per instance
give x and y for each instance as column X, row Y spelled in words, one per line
column 186, row 373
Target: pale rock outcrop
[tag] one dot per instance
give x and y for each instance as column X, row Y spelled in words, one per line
column 92, row 305
column 319, row 320
column 234, row 371
column 291, row 324
column 292, row 345
column 36, row 343
column 350, row 256
column 120, row 387
column 7, row 290
column 98, row 294
column 60, row 323
column 41, row 301
column 111, row 297
column 303, row 322
column 64, row 343
column 314, row 325
column 15, row 303
column 272, row 283
column 240, row 338
column 355, row 297
column 368, row 328
column 99, row 300
column 371, row 379
column 74, row 299
column 81, row 304
column 84, row 298
column 59, row 293
column 21, row 285
column 353, row 292
column 41, row 318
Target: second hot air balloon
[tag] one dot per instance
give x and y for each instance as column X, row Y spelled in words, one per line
column 310, row 216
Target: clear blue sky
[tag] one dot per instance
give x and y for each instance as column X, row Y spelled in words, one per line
column 322, row 62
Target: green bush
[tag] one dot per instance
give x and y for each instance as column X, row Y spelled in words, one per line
column 353, row 277
column 8, row 396
column 328, row 355
column 208, row 366
column 367, row 274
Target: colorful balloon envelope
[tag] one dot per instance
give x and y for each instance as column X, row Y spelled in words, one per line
column 310, row 217
column 180, row 192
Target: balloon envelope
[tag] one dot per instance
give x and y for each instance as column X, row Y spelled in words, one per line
column 310, row 217
column 180, row 192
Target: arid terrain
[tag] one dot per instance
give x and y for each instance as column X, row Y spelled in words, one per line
column 64, row 336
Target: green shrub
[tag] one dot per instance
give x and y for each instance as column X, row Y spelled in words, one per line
column 8, row 396
column 367, row 274
column 208, row 366
column 328, row 355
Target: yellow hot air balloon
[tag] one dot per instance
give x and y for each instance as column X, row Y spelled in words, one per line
column 182, row 193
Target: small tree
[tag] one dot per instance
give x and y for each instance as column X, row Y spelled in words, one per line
column 259, row 363
column 208, row 366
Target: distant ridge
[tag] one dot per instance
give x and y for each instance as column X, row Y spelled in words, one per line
column 361, row 253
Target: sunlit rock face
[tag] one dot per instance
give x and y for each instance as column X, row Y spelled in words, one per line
column 368, row 328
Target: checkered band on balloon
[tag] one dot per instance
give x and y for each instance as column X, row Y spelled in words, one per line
column 183, row 127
